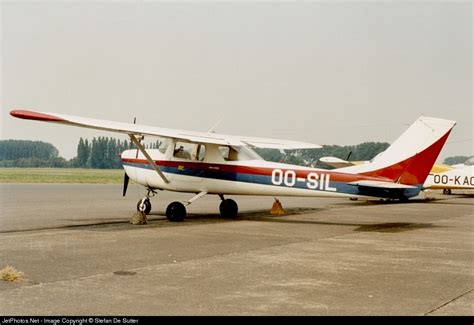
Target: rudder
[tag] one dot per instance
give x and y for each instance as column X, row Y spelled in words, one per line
column 410, row 158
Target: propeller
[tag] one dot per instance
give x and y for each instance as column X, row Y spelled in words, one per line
column 126, row 179
column 125, row 183
column 350, row 153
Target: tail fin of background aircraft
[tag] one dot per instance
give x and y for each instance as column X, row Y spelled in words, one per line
column 410, row 158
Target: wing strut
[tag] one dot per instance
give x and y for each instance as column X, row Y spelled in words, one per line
column 194, row 198
column 147, row 156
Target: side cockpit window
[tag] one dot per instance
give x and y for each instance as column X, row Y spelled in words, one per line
column 189, row 151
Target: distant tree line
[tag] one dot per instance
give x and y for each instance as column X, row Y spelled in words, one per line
column 458, row 160
column 26, row 153
column 18, row 149
column 103, row 153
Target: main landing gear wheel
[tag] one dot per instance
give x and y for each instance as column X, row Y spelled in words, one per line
column 228, row 208
column 447, row 191
column 176, row 212
column 144, row 205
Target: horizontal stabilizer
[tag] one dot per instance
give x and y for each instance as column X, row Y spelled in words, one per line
column 385, row 189
column 381, row 184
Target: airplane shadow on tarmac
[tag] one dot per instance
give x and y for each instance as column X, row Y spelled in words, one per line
column 391, row 227
column 158, row 219
column 264, row 216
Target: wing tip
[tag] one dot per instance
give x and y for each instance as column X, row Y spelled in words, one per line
column 30, row 115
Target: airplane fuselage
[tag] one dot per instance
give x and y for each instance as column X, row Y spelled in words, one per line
column 248, row 177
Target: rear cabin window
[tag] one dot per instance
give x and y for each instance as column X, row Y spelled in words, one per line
column 224, row 150
column 238, row 153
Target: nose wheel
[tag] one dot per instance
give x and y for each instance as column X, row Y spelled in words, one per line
column 144, row 205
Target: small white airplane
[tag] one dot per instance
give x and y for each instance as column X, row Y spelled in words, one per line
column 441, row 176
column 210, row 163
column 450, row 178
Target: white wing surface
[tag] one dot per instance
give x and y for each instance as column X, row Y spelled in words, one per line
column 137, row 129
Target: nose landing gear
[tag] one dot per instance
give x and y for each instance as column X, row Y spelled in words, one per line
column 144, row 204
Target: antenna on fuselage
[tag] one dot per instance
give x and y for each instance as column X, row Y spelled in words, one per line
column 139, row 139
column 213, row 129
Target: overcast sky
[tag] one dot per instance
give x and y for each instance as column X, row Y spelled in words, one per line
column 327, row 73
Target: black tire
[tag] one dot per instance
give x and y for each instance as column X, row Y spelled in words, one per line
column 176, row 212
column 147, row 206
column 447, row 191
column 228, row 209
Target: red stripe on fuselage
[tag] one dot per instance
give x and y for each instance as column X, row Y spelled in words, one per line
column 28, row 115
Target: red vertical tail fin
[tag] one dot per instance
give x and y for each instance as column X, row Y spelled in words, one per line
column 410, row 158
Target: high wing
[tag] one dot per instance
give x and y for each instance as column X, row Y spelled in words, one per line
column 137, row 130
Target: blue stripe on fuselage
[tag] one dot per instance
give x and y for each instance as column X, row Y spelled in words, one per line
column 341, row 187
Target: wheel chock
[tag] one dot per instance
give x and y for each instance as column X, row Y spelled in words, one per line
column 277, row 208
column 139, row 218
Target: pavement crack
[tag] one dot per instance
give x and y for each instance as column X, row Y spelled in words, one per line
column 448, row 302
